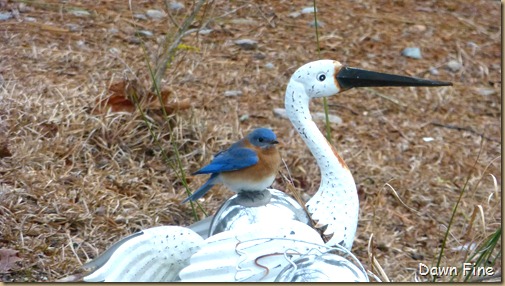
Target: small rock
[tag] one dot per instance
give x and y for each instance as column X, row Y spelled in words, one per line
column 413, row 52
column 294, row 15
column 73, row 27
column 114, row 51
column 133, row 40
column 243, row 117
column 332, row 118
column 30, row 19
column 473, row 46
column 5, row 16
column 176, row 6
column 428, row 139
column 139, row 16
column 306, row 197
column 417, row 256
column 23, row 8
column 320, row 24
column 465, row 247
column 80, row 13
column 145, row 33
column 418, row 28
column 15, row 13
column 81, row 44
column 434, row 71
column 233, row 93
column 454, row 65
column 259, row 56
column 205, row 31
column 155, row 14
column 485, row 91
column 269, row 65
column 246, row 44
column 280, row 112
column 308, row 10
column 242, row 21
column 376, row 38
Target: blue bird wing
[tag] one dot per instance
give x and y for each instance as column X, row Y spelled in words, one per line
column 230, row 160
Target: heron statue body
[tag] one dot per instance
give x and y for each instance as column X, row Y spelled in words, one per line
column 269, row 249
column 335, row 205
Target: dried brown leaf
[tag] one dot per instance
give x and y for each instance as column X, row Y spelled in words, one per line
column 4, row 150
column 8, row 259
column 125, row 94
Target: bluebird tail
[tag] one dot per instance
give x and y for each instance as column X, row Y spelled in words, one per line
column 203, row 189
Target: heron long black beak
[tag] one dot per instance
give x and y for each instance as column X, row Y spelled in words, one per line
column 349, row 77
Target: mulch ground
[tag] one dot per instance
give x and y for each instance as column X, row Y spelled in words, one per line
column 74, row 177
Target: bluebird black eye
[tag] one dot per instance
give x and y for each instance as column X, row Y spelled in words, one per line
column 321, row 77
column 260, row 139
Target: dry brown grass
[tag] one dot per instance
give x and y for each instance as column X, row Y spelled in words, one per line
column 76, row 181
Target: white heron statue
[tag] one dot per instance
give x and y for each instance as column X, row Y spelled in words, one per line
column 275, row 248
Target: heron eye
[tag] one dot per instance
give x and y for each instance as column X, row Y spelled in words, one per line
column 321, row 77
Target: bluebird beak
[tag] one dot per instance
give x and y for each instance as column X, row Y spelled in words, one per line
column 348, row 78
column 278, row 143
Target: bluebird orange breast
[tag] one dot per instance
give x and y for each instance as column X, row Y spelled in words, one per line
column 256, row 177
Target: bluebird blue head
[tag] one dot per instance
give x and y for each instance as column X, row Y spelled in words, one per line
column 263, row 138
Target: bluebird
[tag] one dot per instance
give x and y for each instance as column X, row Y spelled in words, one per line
column 250, row 164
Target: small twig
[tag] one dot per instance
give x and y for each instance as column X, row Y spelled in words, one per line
column 170, row 16
column 375, row 264
column 344, row 107
column 168, row 52
column 459, row 128
column 135, row 23
column 298, row 197
column 471, row 24
column 400, row 200
column 71, row 244
column 398, row 130
column 265, row 17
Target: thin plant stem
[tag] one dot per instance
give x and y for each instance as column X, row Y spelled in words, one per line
column 325, row 101
column 178, row 169
column 170, row 49
column 453, row 215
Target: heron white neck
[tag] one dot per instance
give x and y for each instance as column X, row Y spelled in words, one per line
column 336, row 202
column 297, row 107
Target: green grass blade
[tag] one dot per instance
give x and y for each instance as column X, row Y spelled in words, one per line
column 455, row 208
column 325, row 101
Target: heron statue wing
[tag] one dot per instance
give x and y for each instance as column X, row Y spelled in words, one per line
column 153, row 255
column 257, row 252
column 321, row 208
